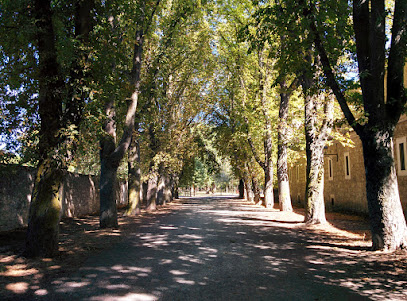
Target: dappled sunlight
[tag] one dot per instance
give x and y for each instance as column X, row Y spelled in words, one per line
column 213, row 249
column 129, row 296
column 18, row 287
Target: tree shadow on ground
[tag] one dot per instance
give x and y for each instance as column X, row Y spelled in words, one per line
column 199, row 252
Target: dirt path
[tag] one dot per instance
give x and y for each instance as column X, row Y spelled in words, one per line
column 225, row 249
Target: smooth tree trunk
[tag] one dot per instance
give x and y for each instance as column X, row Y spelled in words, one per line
column 268, row 183
column 284, row 197
column 268, row 165
column 134, row 174
column 388, row 224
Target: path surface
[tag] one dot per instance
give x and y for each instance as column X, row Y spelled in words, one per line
column 222, row 249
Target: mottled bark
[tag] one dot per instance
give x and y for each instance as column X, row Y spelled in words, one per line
column 266, row 164
column 152, row 193
column 284, row 197
column 134, row 180
column 256, row 191
column 43, row 222
column 268, row 140
column 44, row 214
column 315, row 141
column 110, row 155
column 163, row 189
column 388, row 224
column 315, row 206
column 249, row 190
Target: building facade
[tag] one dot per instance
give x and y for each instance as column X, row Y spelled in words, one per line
column 344, row 174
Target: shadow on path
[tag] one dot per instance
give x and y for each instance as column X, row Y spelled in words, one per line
column 225, row 249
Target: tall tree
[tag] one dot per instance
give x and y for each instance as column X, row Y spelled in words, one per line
column 382, row 112
column 315, row 143
column 60, row 112
column 110, row 153
column 284, row 198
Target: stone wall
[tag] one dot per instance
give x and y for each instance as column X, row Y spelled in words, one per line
column 344, row 192
column 79, row 194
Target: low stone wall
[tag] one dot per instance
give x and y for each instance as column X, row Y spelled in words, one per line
column 79, row 194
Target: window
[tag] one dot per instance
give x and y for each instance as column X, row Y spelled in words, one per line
column 401, row 156
column 332, row 200
column 347, row 165
column 330, row 170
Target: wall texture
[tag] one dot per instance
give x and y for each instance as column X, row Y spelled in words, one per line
column 348, row 192
column 79, row 193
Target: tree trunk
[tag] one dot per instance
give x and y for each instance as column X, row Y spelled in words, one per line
column 256, row 191
column 315, row 206
column 45, row 210
column 388, row 224
column 241, row 189
column 144, row 188
column 249, row 190
column 134, row 182
column 152, row 194
column 108, row 208
column 110, row 155
column 44, row 214
column 315, row 141
column 175, row 190
column 108, row 171
column 160, row 190
column 284, row 198
column 268, row 185
column 167, row 189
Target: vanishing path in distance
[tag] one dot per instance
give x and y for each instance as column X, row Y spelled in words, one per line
column 223, row 249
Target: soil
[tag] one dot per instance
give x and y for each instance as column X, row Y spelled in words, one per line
column 81, row 239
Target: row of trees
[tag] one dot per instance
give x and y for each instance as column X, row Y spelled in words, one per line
column 150, row 80
column 129, row 80
column 283, row 52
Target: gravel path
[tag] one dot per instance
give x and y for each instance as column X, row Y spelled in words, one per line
column 223, row 249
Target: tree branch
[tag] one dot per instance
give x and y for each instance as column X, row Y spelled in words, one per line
column 328, row 71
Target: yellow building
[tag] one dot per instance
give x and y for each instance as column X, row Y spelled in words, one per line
column 345, row 182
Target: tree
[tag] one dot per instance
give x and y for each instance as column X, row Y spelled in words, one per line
column 60, row 111
column 284, row 198
column 316, row 138
column 110, row 153
column 388, row 225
